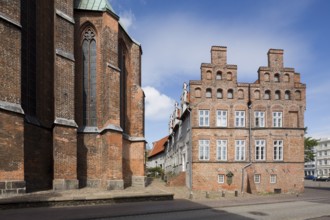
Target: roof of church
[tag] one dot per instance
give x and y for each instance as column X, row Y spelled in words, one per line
column 93, row 5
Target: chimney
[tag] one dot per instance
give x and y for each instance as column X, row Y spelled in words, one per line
column 275, row 58
column 219, row 55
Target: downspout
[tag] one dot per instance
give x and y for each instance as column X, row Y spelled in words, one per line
column 190, row 150
column 249, row 104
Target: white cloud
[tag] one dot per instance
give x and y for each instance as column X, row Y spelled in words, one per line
column 158, row 106
column 126, row 19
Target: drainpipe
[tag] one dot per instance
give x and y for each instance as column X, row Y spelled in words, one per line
column 249, row 104
column 190, row 151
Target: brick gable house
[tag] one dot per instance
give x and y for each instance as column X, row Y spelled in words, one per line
column 245, row 137
column 71, row 103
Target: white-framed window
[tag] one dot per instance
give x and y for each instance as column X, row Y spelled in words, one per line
column 221, row 149
column 239, row 118
column 240, row 150
column 259, row 119
column 221, row 118
column 277, row 119
column 204, row 149
column 257, row 178
column 278, row 150
column 273, row 178
column 204, row 116
column 221, row 178
column 260, row 151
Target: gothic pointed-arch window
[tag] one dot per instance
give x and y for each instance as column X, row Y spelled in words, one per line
column 89, row 77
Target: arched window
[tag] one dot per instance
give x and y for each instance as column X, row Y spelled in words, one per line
column 219, row 93
column 287, row 95
column 298, row 95
column 267, row 95
column 266, row 77
column 230, row 94
column 89, row 78
column 197, row 92
column 240, row 94
column 277, row 77
column 286, row 78
column 257, row 94
column 277, row 95
column 208, row 93
column 229, row 76
column 208, row 74
column 219, row 75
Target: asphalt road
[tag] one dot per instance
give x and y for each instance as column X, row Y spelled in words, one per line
column 314, row 204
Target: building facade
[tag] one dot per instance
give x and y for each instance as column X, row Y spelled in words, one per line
column 322, row 158
column 244, row 136
column 71, row 103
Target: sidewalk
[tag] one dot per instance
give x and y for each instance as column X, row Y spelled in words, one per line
column 155, row 191
column 84, row 196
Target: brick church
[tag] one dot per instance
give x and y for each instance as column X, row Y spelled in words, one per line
column 71, row 103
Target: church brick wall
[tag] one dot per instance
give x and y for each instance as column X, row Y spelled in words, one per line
column 45, row 144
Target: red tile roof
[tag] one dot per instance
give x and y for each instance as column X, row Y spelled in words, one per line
column 159, row 147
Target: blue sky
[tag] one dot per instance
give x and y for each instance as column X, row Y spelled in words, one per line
column 177, row 35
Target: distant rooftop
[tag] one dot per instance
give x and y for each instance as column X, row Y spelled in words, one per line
column 159, row 147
